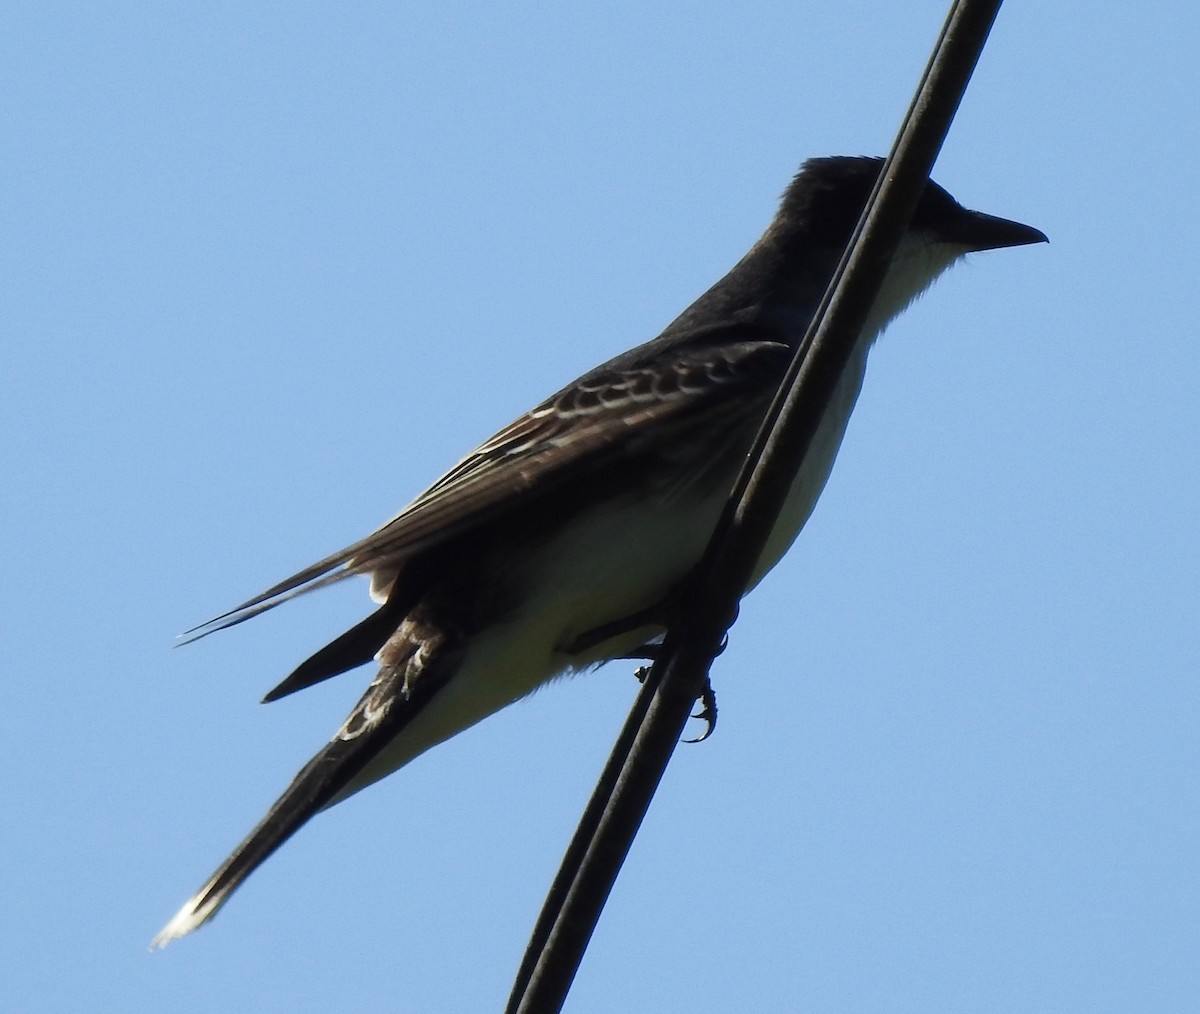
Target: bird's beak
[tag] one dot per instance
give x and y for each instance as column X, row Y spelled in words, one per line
column 977, row 231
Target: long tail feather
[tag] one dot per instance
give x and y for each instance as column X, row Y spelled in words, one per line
column 395, row 697
column 357, row 646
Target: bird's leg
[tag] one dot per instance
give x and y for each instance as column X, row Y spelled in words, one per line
column 652, row 617
column 708, row 701
column 660, row 615
column 707, row 698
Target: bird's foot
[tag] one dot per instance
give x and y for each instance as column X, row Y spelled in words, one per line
column 707, row 712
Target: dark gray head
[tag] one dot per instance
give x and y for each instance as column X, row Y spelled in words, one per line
column 785, row 273
column 823, row 203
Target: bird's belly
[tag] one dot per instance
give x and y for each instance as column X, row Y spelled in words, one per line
column 624, row 557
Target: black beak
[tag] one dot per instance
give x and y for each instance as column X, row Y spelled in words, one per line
column 977, row 231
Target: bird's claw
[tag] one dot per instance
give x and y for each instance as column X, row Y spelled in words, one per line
column 707, row 712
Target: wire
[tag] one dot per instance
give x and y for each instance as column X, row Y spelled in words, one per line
column 595, row 856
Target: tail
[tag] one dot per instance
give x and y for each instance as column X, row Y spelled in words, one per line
column 414, row 672
column 312, row 789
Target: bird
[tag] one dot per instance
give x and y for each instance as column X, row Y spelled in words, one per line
column 562, row 541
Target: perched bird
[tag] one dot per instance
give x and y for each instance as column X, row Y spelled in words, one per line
column 557, row 544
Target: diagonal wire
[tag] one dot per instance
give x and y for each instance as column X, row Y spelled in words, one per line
column 585, row 831
column 639, row 759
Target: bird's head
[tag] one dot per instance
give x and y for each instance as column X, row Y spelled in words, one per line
column 822, row 205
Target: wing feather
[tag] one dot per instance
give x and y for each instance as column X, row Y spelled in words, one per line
column 614, row 410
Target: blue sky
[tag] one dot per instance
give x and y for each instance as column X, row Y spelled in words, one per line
column 252, row 250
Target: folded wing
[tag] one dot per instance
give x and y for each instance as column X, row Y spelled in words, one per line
column 606, row 413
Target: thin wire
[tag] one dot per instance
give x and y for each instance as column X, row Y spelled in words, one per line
column 585, row 831
column 750, row 513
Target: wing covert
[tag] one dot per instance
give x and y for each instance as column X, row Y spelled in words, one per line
column 612, row 410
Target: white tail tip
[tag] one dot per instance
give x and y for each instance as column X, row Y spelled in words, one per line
column 192, row 915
